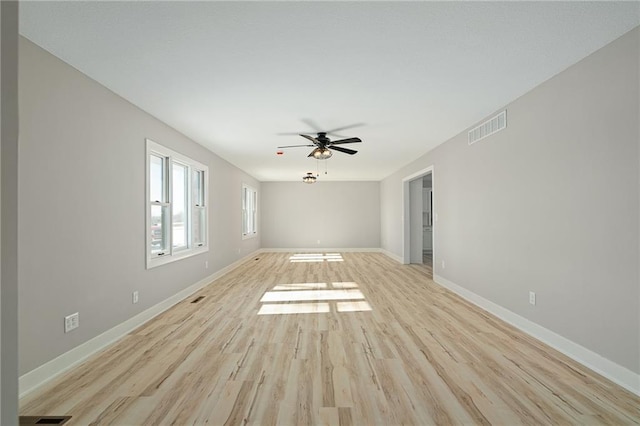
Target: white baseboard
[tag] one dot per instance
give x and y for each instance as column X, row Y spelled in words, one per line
column 392, row 256
column 40, row 375
column 607, row 368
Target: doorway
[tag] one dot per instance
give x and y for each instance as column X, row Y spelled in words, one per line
column 427, row 222
column 418, row 214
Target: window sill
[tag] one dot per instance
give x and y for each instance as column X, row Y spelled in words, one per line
column 153, row 262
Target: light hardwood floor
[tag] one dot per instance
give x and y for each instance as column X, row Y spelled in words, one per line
column 420, row 355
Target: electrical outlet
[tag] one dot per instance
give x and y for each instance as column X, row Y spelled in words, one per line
column 239, row 250
column 71, row 322
column 318, row 242
column 532, row 298
column 443, row 264
column 135, row 296
column 206, row 264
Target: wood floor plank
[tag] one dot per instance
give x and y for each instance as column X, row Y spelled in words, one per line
column 362, row 341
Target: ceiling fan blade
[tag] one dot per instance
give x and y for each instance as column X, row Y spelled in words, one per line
column 309, row 122
column 294, row 146
column 341, row 149
column 343, row 141
column 317, row 129
column 311, row 138
column 345, row 127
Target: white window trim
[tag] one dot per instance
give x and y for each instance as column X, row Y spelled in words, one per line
column 182, row 253
column 255, row 232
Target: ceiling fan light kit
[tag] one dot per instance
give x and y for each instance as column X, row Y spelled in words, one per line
column 309, row 178
column 321, row 153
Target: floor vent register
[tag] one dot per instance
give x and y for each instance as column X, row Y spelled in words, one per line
column 43, row 420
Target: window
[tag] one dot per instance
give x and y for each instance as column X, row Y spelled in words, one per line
column 176, row 206
column 249, row 212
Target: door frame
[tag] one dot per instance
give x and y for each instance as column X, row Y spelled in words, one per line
column 406, row 219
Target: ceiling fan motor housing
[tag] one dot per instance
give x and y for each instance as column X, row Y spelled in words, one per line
column 322, row 138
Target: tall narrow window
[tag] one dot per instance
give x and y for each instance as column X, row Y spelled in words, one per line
column 180, row 206
column 176, row 209
column 198, row 208
column 249, row 211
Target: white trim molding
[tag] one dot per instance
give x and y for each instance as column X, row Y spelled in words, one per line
column 418, row 174
column 35, row 378
column 599, row 364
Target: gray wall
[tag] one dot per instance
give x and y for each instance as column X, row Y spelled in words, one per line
column 339, row 214
column 82, row 209
column 549, row 204
column 9, row 213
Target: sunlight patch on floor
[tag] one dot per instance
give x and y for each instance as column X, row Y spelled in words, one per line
column 310, row 295
column 310, row 298
column 316, row 257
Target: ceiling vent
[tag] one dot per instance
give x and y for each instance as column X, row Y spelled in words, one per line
column 488, row 128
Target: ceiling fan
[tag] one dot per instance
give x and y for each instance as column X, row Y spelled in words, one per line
column 323, row 145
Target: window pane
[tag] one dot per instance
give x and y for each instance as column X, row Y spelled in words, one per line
column 249, row 210
column 245, row 211
column 198, row 221
column 199, row 226
column 179, row 198
column 159, row 228
column 198, row 188
column 245, row 225
column 156, row 178
column 254, row 209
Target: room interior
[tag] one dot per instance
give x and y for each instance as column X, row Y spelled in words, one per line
column 537, row 223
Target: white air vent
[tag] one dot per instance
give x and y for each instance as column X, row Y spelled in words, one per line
column 489, row 127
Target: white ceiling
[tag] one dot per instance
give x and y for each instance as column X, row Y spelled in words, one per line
column 233, row 75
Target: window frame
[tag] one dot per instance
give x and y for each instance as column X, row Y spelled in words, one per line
column 170, row 157
column 245, row 213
